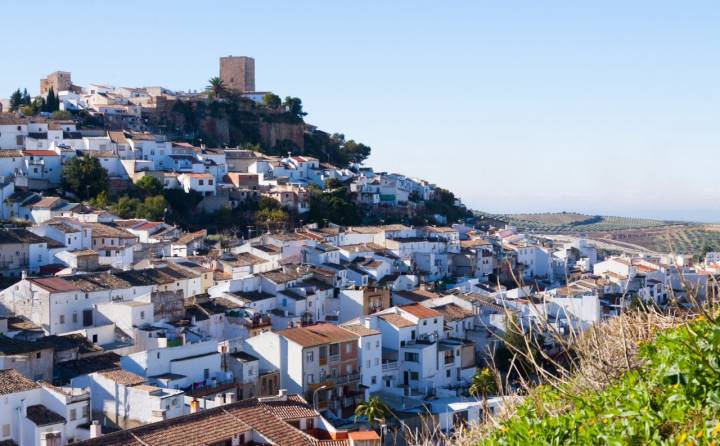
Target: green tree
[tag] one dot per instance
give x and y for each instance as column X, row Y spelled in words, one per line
column 216, row 88
column 483, row 384
column 101, row 200
column 336, row 205
column 294, row 106
column 85, row 177
column 52, row 102
column 272, row 101
column 61, row 115
column 148, row 186
column 374, row 410
column 356, row 152
column 153, row 208
column 25, row 97
column 272, row 219
column 27, row 110
column 126, row 207
column 38, row 105
column 16, row 100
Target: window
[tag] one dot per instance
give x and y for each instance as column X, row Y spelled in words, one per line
column 94, row 338
column 73, row 414
column 424, row 322
column 447, row 373
column 377, row 344
column 6, row 430
column 368, row 363
column 206, row 373
column 377, row 361
column 309, row 357
column 74, row 318
column 412, row 357
column 434, row 321
column 142, row 315
column 62, row 318
column 38, row 354
column 373, row 380
column 348, row 347
column 86, row 411
column 414, row 376
column 210, row 182
column 201, row 182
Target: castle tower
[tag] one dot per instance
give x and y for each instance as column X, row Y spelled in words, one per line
column 238, row 73
column 58, row 80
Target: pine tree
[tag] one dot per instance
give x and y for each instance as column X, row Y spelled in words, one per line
column 26, row 97
column 15, row 100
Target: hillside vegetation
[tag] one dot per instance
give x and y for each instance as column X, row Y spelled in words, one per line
column 655, row 381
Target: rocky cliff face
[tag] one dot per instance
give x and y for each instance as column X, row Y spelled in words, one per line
column 272, row 133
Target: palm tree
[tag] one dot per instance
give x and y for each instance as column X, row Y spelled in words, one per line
column 216, row 88
column 373, row 409
column 483, row 384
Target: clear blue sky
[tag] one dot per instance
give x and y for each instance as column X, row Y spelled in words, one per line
column 602, row 107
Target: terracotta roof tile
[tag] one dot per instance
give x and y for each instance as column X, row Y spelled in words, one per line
column 397, row 320
column 12, row 381
column 123, row 377
column 318, row 335
column 419, row 311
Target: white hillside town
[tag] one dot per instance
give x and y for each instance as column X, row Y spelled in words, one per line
column 124, row 314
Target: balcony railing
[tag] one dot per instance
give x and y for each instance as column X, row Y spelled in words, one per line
column 390, row 365
column 341, row 379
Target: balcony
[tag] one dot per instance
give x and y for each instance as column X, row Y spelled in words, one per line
column 339, row 380
column 389, row 366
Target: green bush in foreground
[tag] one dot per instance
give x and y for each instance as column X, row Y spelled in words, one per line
column 672, row 399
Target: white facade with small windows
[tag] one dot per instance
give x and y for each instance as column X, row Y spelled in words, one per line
column 198, row 363
column 17, row 405
column 127, row 404
column 203, row 183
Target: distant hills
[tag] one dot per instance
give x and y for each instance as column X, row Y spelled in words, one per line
column 655, row 235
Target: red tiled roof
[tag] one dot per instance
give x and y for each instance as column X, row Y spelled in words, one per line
column 319, row 334
column 54, row 284
column 217, row 425
column 41, row 153
column 123, row 377
column 198, row 175
column 397, row 320
column 363, row 435
column 12, row 381
column 419, row 311
column 294, row 408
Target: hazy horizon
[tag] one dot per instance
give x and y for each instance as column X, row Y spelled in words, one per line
column 607, row 108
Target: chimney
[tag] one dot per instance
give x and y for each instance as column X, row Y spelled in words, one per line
column 283, row 394
column 23, row 275
column 194, row 405
column 95, row 429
